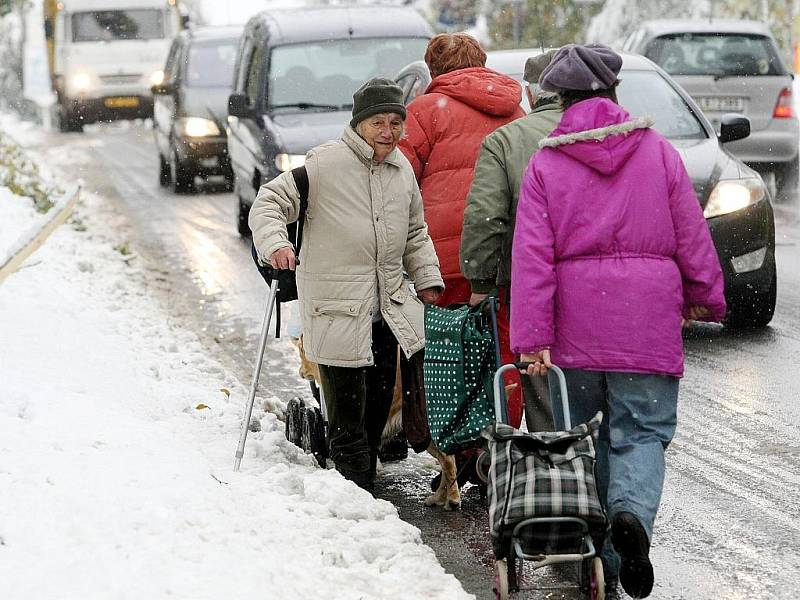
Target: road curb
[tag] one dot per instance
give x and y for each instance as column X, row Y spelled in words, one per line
column 66, row 205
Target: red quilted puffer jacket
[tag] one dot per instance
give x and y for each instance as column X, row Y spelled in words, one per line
column 444, row 130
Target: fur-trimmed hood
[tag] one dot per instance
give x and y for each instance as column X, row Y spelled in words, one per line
column 598, row 133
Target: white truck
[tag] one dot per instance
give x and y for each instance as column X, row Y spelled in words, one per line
column 104, row 56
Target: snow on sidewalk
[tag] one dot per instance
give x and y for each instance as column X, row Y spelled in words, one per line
column 116, row 486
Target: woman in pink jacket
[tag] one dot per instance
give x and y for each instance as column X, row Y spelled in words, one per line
column 611, row 253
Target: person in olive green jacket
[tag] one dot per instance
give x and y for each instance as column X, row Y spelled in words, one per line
column 491, row 206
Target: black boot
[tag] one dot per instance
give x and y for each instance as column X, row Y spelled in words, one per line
column 633, row 546
column 362, row 479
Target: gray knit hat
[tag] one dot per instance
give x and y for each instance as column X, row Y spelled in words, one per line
column 536, row 64
column 582, row 68
column 376, row 96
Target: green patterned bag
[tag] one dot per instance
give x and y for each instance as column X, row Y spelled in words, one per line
column 458, row 369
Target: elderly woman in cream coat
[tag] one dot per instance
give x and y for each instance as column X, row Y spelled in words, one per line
column 363, row 228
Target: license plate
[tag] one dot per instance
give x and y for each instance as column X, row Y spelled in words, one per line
column 721, row 103
column 122, row 102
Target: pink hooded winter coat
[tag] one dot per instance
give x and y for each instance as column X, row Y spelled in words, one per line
column 610, row 247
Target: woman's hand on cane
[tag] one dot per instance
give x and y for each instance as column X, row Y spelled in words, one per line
column 540, row 362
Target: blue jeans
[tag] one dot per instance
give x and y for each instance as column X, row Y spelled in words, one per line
column 639, row 419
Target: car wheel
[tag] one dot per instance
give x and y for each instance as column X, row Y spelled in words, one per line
column 182, row 179
column 786, row 180
column 753, row 308
column 241, row 217
column 164, row 174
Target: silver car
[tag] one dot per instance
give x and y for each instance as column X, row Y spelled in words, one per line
column 732, row 66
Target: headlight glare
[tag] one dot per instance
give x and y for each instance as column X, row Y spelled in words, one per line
column 735, row 194
column 287, row 162
column 198, row 127
column 81, row 81
column 157, row 77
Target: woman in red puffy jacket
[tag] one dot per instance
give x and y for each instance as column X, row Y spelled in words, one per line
column 445, row 126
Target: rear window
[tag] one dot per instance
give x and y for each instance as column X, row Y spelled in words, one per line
column 646, row 93
column 111, row 25
column 211, row 64
column 723, row 55
column 329, row 72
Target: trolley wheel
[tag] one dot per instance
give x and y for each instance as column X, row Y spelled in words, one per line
column 482, row 465
column 501, row 580
column 597, row 581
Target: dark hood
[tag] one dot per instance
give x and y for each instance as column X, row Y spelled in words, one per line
column 298, row 132
column 207, row 103
column 707, row 163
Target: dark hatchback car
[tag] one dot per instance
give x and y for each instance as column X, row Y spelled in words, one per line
column 296, row 72
column 734, row 198
column 191, row 107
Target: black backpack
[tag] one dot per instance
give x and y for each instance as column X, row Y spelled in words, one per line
column 287, row 285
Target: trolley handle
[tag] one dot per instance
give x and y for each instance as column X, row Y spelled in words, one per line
column 522, row 366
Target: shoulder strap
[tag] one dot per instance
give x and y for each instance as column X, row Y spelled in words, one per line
column 300, row 175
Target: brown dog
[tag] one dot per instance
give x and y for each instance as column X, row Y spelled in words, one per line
column 448, row 494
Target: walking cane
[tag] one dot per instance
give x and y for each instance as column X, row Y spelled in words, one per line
column 262, row 344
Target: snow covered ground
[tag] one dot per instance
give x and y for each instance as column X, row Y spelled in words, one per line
column 116, row 456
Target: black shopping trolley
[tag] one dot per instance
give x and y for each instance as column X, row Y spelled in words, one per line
column 543, row 502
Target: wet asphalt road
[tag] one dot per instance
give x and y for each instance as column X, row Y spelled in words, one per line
column 728, row 527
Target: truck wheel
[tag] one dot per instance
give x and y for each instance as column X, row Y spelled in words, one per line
column 241, row 218
column 182, row 179
column 753, row 309
column 68, row 122
column 164, row 174
column 786, row 180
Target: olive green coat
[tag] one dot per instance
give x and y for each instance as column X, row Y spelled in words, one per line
column 364, row 226
column 492, row 201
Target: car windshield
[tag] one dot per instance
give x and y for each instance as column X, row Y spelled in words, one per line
column 646, row 93
column 210, row 64
column 327, row 73
column 110, row 25
column 721, row 55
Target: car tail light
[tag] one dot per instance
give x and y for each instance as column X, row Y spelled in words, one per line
column 783, row 107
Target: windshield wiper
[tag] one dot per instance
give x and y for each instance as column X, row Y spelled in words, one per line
column 307, row 105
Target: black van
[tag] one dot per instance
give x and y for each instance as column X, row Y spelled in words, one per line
column 190, row 112
column 296, row 72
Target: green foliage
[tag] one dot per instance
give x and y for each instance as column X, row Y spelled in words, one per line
column 21, row 175
column 123, row 249
column 542, row 23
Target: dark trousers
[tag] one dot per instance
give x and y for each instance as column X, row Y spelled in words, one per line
column 358, row 402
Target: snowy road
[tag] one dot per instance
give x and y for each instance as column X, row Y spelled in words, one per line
column 728, row 528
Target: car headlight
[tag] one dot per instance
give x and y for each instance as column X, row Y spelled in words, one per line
column 287, row 162
column 735, row 194
column 81, row 81
column 198, row 127
column 157, row 77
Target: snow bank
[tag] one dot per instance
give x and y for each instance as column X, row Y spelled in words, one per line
column 28, row 201
column 117, row 449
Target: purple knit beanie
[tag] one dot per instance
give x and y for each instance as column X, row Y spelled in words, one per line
column 582, row 68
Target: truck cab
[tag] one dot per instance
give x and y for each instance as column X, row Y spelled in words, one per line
column 105, row 56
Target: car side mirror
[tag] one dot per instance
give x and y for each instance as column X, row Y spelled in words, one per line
column 733, row 127
column 237, row 106
column 162, row 89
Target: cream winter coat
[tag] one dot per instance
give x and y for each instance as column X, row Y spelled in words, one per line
column 364, row 227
